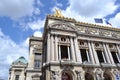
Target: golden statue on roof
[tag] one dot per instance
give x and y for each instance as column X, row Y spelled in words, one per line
column 58, row 13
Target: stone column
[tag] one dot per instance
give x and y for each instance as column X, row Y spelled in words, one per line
column 78, row 55
column 118, row 49
column 59, row 52
column 110, row 55
column 52, row 48
column 106, row 54
column 72, row 49
column 56, row 48
column 90, row 52
column 31, row 57
column 12, row 75
column 94, row 53
column 48, row 48
column 69, row 56
column 22, row 76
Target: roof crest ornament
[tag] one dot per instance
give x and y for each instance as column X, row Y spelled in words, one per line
column 58, row 13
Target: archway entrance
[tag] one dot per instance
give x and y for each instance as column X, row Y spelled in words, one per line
column 66, row 76
column 107, row 76
column 88, row 76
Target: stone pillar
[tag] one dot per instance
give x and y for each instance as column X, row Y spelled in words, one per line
column 110, row 55
column 68, row 48
column 59, row 52
column 78, row 55
column 31, row 58
column 90, row 52
column 56, row 48
column 22, row 76
column 118, row 49
column 72, row 49
column 94, row 53
column 52, row 48
column 12, row 75
column 48, row 48
column 106, row 53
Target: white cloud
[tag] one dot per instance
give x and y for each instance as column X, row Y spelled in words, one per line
column 37, row 34
column 36, row 11
column 16, row 8
column 91, row 8
column 36, row 25
column 87, row 10
column 115, row 21
column 9, row 52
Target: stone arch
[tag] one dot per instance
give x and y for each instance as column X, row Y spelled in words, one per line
column 107, row 76
column 67, row 75
column 89, row 76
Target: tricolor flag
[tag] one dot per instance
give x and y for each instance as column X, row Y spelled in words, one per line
column 98, row 20
column 108, row 23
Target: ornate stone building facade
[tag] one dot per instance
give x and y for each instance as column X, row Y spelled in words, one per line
column 74, row 50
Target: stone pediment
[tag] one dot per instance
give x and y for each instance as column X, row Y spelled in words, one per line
column 62, row 26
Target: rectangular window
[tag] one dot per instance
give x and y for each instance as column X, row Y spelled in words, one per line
column 37, row 60
column 17, row 77
column 64, row 52
column 115, row 58
column 100, row 56
column 84, row 55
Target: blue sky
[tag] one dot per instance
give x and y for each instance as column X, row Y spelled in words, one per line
column 20, row 19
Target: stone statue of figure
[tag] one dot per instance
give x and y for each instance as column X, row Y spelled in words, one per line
column 98, row 74
column 58, row 13
column 55, row 75
column 79, row 77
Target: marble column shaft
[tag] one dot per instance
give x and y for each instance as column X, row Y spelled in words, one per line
column 110, row 55
column 52, row 48
column 72, row 49
column 106, row 54
column 78, row 55
column 56, row 48
column 94, row 53
column 48, row 48
column 90, row 52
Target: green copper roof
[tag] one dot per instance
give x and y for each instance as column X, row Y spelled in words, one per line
column 21, row 59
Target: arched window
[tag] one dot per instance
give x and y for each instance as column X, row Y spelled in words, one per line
column 107, row 76
column 66, row 76
column 88, row 76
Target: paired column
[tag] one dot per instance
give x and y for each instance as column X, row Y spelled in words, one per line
column 48, row 48
column 94, row 53
column 59, row 52
column 72, row 49
column 118, row 49
column 110, row 55
column 12, row 75
column 52, row 48
column 56, row 48
column 77, row 51
column 90, row 51
column 106, row 54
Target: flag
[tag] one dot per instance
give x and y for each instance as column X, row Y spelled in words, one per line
column 108, row 23
column 98, row 20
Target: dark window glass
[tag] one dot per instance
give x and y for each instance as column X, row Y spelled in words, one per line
column 64, row 52
column 114, row 55
column 100, row 56
column 17, row 77
column 83, row 55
